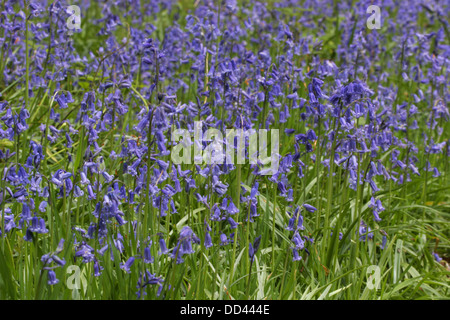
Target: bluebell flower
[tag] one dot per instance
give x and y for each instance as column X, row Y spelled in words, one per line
column 223, row 239
column 107, row 176
column 58, row 261
column 437, row 257
column 97, row 268
column 9, row 222
column 373, row 186
column 187, row 237
column 146, row 279
column 218, row 187
column 28, row 236
column 298, row 241
column 208, row 241
column 233, row 224
column 289, row 131
column 84, row 179
column 364, row 231
column 311, row 135
column 162, row 246
column 86, row 252
column 35, row 226
column 127, row 265
column 309, row 208
column 383, row 243
column 253, row 249
column 42, row 206
column 148, row 258
column 102, row 250
column 296, row 221
column 52, row 278
column 216, row 214
column 91, row 194
column 296, row 256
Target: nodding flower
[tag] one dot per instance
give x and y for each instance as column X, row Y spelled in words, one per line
column 187, row 237
column 309, row 207
column 127, row 265
column 148, row 258
column 253, row 249
column 296, row 256
column 52, row 280
column 91, row 194
column 233, row 224
column 49, row 258
column 58, row 261
column 84, row 179
column 97, row 268
column 216, row 216
column 298, row 241
column 311, row 135
column 219, row 187
column 437, row 257
column 162, row 246
column 373, row 186
column 223, row 239
column 383, row 242
column 232, row 209
column 208, row 241
column 107, row 176
column 43, row 206
column 364, row 231
column 296, row 218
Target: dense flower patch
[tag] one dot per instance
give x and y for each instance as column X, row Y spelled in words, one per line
column 88, row 111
